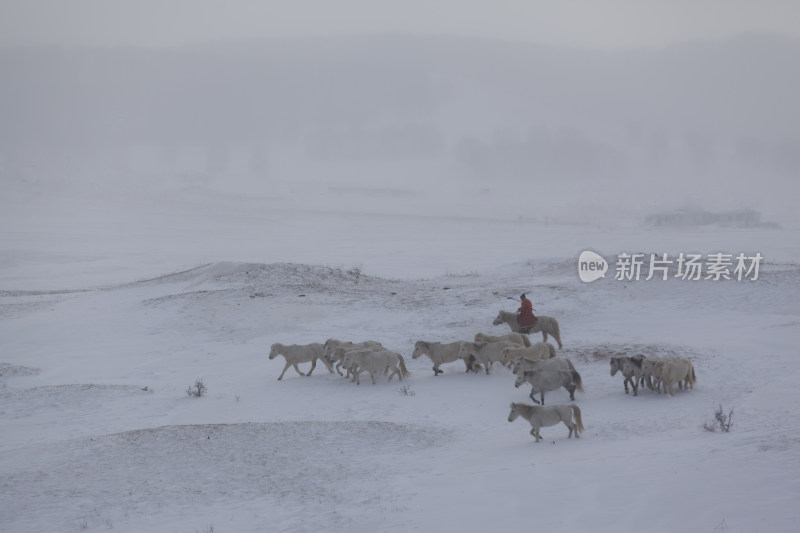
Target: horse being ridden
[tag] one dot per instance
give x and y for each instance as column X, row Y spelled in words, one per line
column 525, row 317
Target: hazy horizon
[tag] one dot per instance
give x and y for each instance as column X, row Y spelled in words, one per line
column 711, row 125
column 604, row 24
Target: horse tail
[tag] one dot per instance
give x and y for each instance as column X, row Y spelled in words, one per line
column 576, row 412
column 526, row 340
column 692, row 375
column 551, row 349
column 403, row 368
column 576, row 379
column 557, row 333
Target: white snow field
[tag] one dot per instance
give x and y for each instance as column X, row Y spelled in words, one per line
column 111, row 308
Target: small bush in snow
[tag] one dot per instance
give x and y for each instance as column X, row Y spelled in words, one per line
column 406, row 390
column 721, row 421
column 198, row 389
column 355, row 272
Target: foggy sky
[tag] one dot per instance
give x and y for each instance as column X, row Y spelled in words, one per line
column 694, row 102
column 584, row 23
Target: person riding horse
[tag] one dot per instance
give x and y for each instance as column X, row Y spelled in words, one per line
column 525, row 316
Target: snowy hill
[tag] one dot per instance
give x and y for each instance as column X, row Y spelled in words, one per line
column 99, row 431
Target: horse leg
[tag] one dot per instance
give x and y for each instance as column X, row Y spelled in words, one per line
column 635, row 385
column 288, row 364
column 533, row 392
column 571, row 390
column 338, row 366
column 436, row 370
column 535, row 433
column 298, row 370
column 313, row 366
column 574, row 428
column 541, row 395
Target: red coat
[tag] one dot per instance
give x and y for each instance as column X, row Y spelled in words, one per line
column 525, row 317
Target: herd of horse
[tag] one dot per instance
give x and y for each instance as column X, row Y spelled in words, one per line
column 536, row 364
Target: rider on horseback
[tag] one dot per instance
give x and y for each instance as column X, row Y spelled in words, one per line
column 525, row 316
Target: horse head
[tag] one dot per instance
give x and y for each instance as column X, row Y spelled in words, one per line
column 328, row 347
column 419, row 349
column 499, row 320
column 274, row 351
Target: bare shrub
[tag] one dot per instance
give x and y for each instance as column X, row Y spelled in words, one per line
column 406, row 390
column 355, row 273
column 722, row 421
column 199, row 389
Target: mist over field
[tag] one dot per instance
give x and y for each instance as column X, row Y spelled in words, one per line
column 504, row 128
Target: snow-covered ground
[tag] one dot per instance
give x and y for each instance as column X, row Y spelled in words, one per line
column 111, row 309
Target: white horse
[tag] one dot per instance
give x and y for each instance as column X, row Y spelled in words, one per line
column 648, row 374
column 540, row 416
column 485, row 353
column 542, row 381
column 674, row 371
column 331, row 345
column 535, row 352
column 299, row 353
column 545, row 324
column 438, row 353
column 553, row 363
column 519, row 338
column 374, row 362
